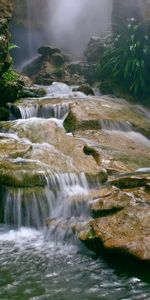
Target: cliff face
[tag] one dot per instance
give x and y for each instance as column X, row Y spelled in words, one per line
column 5, row 13
column 11, row 83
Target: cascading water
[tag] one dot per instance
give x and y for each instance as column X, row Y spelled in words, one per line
column 31, row 207
column 47, row 107
column 47, row 111
column 40, row 257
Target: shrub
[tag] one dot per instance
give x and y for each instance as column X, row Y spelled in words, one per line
column 125, row 61
column 10, row 76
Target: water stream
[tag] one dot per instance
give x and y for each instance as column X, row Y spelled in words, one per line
column 40, row 257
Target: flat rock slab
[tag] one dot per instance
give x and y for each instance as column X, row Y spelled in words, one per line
column 107, row 112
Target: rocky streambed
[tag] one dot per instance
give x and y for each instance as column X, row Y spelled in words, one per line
column 79, row 166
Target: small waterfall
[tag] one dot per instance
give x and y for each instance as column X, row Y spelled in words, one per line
column 62, row 198
column 116, row 125
column 58, row 111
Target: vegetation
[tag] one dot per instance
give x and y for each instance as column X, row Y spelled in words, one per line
column 125, row 62
column 10, row 76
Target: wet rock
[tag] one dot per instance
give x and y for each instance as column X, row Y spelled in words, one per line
column 121, row 222
column 21, row 173
column 109, row 201
column 95, row 49
column 126, row 234
column 58, row 59
column 48, row 50
column 111, row 110
column 53, row 65
column 131, row 181
column 13, row 150
column 86, row 89
column 32, row 92
column 60, row 152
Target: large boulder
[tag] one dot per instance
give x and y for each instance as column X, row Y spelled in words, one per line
column 95, row 49
column 48, row 50
column 53, row 65
column 121, row 223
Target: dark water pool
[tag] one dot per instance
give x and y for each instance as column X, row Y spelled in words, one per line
column 34, row 269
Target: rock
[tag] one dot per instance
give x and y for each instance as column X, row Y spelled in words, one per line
column 21, row 173
column 88, row 150
column 61, row 153
column 32, row 92
column 58, row 59
column 95, row 49
column 108, row 109
column 109, row 201
column 86, row 89
column 53, row 65
column 13, row 150
column 131, row 181
column 48, row 50
column 78, row 67
column 121, row 224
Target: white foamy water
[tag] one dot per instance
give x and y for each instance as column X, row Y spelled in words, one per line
column 33, row 267
column 46, row 111
column 62, row 90
column 31, row 207
column 139, row 138
column 143, row 170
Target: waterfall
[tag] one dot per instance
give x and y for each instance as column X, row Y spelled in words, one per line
column 116, row 125
column 47, row 111
column 62, row 198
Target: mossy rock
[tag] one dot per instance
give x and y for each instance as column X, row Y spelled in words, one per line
column 96, row 178
column 70, row 123
column 86, row 89
column 58, row 59
column 22, row 174
column 131, row 181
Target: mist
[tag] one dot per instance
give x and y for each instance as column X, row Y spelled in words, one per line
column 66, row 24
column 73, row 22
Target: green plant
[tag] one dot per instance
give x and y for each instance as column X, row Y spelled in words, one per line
column 125, row 61
column 10, row 76
column 12, row 46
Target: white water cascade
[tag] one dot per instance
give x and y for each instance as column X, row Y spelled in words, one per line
column 61, row 198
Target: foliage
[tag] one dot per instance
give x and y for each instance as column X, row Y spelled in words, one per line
column 125, row 61
column 12, row 46
column 10, row 76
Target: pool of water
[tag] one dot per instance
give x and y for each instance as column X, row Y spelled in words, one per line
column 34, row 268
